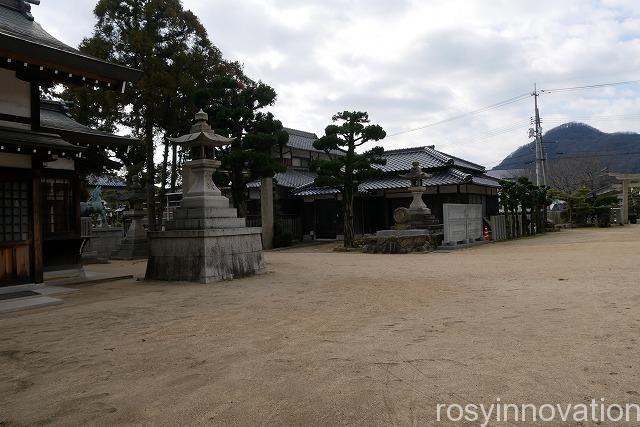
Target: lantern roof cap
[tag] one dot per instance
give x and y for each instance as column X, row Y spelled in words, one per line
column 415, row 172
column 201, row 134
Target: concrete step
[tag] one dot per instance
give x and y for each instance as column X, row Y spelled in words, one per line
column 18, row 304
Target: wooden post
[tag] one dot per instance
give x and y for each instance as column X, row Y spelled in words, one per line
column 625, row 201
column 38, row 266
column 266, row 212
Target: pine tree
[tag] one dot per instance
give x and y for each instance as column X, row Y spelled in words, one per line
column 236, row 109
column 346, row 172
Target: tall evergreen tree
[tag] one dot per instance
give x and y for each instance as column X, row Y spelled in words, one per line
column 171, row 47
column 346, row 172
column 236, row 108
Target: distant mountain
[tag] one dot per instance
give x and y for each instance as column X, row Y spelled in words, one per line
column 619, row 152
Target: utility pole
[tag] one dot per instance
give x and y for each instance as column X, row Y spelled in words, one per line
column 541, row 178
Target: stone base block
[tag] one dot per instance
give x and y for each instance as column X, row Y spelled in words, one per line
column 199, row 200
column 102, row 242
column 206, row 223
column 131, row 249
column 204, row 256
column 200, row 213
column 400, row 242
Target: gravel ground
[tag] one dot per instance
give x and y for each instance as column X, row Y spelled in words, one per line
column 327, row 338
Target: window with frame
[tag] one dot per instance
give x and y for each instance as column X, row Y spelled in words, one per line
column 58, row 208
column 14, row 211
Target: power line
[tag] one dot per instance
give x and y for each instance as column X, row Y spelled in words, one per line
column 505, row 129
column 596, row 86
column 583, row 154
column 492, row 133
column 463, row 115
column 511, row 101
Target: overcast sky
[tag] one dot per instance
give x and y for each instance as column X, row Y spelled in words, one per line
column 414, row 62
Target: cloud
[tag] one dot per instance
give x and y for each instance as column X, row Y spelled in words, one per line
column 414, row 62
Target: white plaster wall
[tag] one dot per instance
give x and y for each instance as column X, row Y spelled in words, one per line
column 16, row 98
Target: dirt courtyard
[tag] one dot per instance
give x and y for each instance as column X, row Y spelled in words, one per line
column 328, row 338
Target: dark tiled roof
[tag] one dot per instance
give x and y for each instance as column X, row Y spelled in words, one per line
column 105, row 181
column 304, row 141
column 400, row 160
column 315, row 191
column 300, row 139
column 450, row 177
column 35, row 140
column 289, row 179
column 15, row 23
column 445, row 170
column 429, row 158
column 465, row 164
column 486, row 180
column 507, row 173
column 55, row 117
column 24, row 37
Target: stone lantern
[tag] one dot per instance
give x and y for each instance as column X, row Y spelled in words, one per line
column 206, row 242
column 134, row 244
column 416, row 176
column 198, row 187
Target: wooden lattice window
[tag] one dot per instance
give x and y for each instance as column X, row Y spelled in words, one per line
column 59, row 211
column 14, row 211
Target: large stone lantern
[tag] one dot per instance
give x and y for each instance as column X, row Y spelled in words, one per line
column 417, row 215
column 206, row 242
column 416, row 229
column 416, row 175
column 199, row 189
column 134, row 244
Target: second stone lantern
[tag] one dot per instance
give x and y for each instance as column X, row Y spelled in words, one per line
column 206, row 242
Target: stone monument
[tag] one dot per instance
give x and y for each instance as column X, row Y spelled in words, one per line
column 206, row 242
column 134, row 244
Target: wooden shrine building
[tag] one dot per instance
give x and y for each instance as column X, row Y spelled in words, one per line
column 43, row 151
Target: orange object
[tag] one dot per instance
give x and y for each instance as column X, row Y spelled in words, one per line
column 486, row 233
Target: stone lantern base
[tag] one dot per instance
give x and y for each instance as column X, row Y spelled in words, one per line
column 206, row 242
column 135, row 244
column 204, row 256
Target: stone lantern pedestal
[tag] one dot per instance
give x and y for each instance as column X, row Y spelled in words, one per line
column 206, row 242
column 418, row 215
column 416, row 229
column 134, row 245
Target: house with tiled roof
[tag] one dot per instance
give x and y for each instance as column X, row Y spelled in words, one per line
column 315, row 211
column 297, row 156
column 452, row 180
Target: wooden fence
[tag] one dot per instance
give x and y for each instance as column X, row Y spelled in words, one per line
column 507, row 226
column 291, row 224
column 498, row 227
